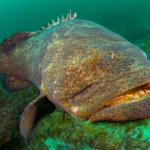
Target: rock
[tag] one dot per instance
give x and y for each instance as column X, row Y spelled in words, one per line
column 54, row 133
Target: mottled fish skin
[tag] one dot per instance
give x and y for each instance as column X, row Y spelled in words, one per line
column 80, row 66
column 84, row 56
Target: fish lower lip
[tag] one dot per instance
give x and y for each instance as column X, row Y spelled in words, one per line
column 137, row 94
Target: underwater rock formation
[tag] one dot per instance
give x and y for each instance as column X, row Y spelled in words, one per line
column 54, row 133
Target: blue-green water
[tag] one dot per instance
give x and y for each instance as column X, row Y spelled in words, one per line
column 130, row 18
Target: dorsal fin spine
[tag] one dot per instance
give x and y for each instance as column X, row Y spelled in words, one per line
column 58, row 20
column 69, row 16
column 62, row 18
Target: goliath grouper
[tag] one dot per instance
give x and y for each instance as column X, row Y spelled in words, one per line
column 82, row 67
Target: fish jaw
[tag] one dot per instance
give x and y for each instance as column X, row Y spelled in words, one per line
column 94, row 101
column 133, row 109
column 124, row 112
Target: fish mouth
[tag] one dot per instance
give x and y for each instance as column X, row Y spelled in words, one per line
column 120, row 91
column 134, row 95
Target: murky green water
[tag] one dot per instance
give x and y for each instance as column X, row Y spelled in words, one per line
column 130, row 18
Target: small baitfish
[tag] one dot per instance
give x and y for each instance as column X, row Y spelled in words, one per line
column 82, row 67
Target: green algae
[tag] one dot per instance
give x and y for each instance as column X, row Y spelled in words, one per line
column 11, row 107
column 55, row 144
column 76, row 134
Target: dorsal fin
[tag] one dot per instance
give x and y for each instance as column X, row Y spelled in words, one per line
column 61, row 19
column 15, row 40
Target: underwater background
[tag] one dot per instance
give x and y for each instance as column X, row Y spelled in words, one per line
column 129, row 18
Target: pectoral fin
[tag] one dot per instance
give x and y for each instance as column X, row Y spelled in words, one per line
column 28, row 117
column 12, row 84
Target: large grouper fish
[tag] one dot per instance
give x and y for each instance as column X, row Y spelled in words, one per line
column 81, row 67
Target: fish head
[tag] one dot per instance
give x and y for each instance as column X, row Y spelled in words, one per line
column 97, row 69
